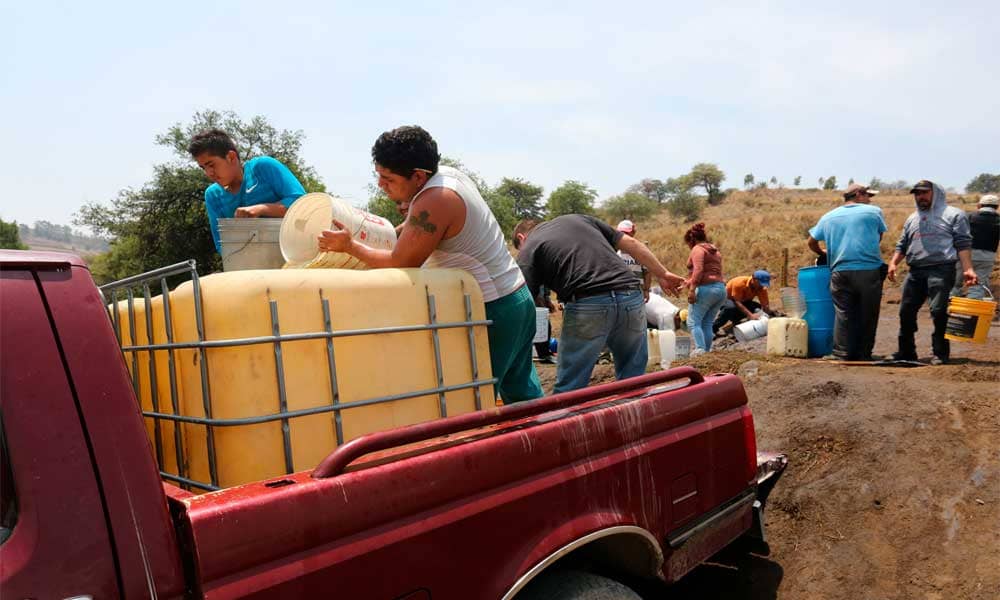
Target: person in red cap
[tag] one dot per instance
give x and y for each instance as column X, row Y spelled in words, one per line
column 642, row 274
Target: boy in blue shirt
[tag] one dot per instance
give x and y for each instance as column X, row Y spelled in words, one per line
column 260, row 187
column 852, row 234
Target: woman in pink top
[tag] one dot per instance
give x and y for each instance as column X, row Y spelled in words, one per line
column 706, row 285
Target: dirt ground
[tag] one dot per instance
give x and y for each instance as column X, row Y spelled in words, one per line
column 893, row 486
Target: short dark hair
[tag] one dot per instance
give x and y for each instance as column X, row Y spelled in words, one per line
column 214, row 141
column 406, row 149
column 523, row 227
column 696, row 234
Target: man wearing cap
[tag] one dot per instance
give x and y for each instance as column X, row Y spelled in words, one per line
column 934, row 237
column 740, row 294
column 641, row 273
column 984, row 224
column 852, row 234
column 575, row 255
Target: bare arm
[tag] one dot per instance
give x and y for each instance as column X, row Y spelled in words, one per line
column 274, row 209
column 968, row 273
column 667, row 280
column 897, row 257
column 815, row 247
column 431, row 216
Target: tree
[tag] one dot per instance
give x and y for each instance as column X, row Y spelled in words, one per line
column 654, row 189
column 164, row 221
column 572, row 197
column 709, row 177
column 984, row 183
column 630, row 205
column 748, row 180
column 850, row 181
column 255, row 137
column 774, row 181
column 821, row 180
column 797, row 180
column 875, row 183
column 10, row 236
column 686, row 206
column 526, row 198
column 830, row 183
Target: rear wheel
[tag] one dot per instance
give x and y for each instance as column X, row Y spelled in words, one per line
column 575, row 585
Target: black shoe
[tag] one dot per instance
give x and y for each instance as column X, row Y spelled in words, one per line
column 903, row 356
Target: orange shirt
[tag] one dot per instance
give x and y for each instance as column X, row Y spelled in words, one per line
column 738, row 288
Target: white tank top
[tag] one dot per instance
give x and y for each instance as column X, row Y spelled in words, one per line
column 479, row 248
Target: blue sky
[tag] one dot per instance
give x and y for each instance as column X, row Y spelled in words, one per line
column 605, row 93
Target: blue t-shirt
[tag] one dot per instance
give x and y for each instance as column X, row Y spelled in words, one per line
column 852, row 233
column 265, row 181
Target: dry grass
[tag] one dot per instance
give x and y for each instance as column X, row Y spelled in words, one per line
column 752, row 228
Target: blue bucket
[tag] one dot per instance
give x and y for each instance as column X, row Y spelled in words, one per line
column 814, row 283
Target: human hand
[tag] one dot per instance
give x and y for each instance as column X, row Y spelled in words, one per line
column 754, row 317
column 249, row 212
column 645, row 295
column 891, row 273
column 335, row 240
column 969, row 277
column 671, row 284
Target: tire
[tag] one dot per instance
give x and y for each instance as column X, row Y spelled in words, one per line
column 575, row 585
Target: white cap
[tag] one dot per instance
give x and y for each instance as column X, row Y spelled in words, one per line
column 987, row 200
column 626, row 226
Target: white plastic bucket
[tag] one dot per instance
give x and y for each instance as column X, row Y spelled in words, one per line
column 751, row 329
column 308, row 216
column 660, row 312
column 250, row 243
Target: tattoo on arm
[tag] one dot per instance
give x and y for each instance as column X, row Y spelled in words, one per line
column 422, row 222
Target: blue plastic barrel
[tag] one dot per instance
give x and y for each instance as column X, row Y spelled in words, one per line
column 814, row 283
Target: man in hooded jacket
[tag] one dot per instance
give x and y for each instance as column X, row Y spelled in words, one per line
column 934, row 237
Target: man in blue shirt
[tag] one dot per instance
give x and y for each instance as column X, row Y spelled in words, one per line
column 260, row 187
column 852, row 234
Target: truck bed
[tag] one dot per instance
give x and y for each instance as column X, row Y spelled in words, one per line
column 637, row 454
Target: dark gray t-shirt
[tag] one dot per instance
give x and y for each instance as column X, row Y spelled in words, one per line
column 574, row 255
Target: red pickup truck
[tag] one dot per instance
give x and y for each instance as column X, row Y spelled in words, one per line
column 556, row 498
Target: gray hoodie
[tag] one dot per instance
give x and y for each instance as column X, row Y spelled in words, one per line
column 934, row 237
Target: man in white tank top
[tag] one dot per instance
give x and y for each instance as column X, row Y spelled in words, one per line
column 449, row 225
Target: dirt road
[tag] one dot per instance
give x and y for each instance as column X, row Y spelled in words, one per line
column 893, row 488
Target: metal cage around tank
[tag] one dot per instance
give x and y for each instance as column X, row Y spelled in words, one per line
column 142, row 286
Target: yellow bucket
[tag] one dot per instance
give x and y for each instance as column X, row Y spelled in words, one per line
column 969, row 320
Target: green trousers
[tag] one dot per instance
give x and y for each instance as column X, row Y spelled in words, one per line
column 510, row 338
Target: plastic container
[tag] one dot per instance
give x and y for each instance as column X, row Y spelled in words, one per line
column 242, row 380
column 652, row 347
column 751, row 329
column 969, row 319
column 541, row 325
column 787, row 337
column 814, row 282
column 792, row 303
column 250, row 244
column 312, row 213
column 668, row 347
column 683, row 346
column 660, row 312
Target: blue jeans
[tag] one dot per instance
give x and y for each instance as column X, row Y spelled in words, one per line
column 701, row 315
column 613, row 319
